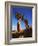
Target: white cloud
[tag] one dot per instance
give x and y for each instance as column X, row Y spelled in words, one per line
column 14, row 28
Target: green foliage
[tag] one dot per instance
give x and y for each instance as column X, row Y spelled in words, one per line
column 19, row 16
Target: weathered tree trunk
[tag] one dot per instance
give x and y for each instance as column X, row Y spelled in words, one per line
column 18, row 26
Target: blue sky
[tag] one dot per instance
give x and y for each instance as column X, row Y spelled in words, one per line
column 25, row 11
